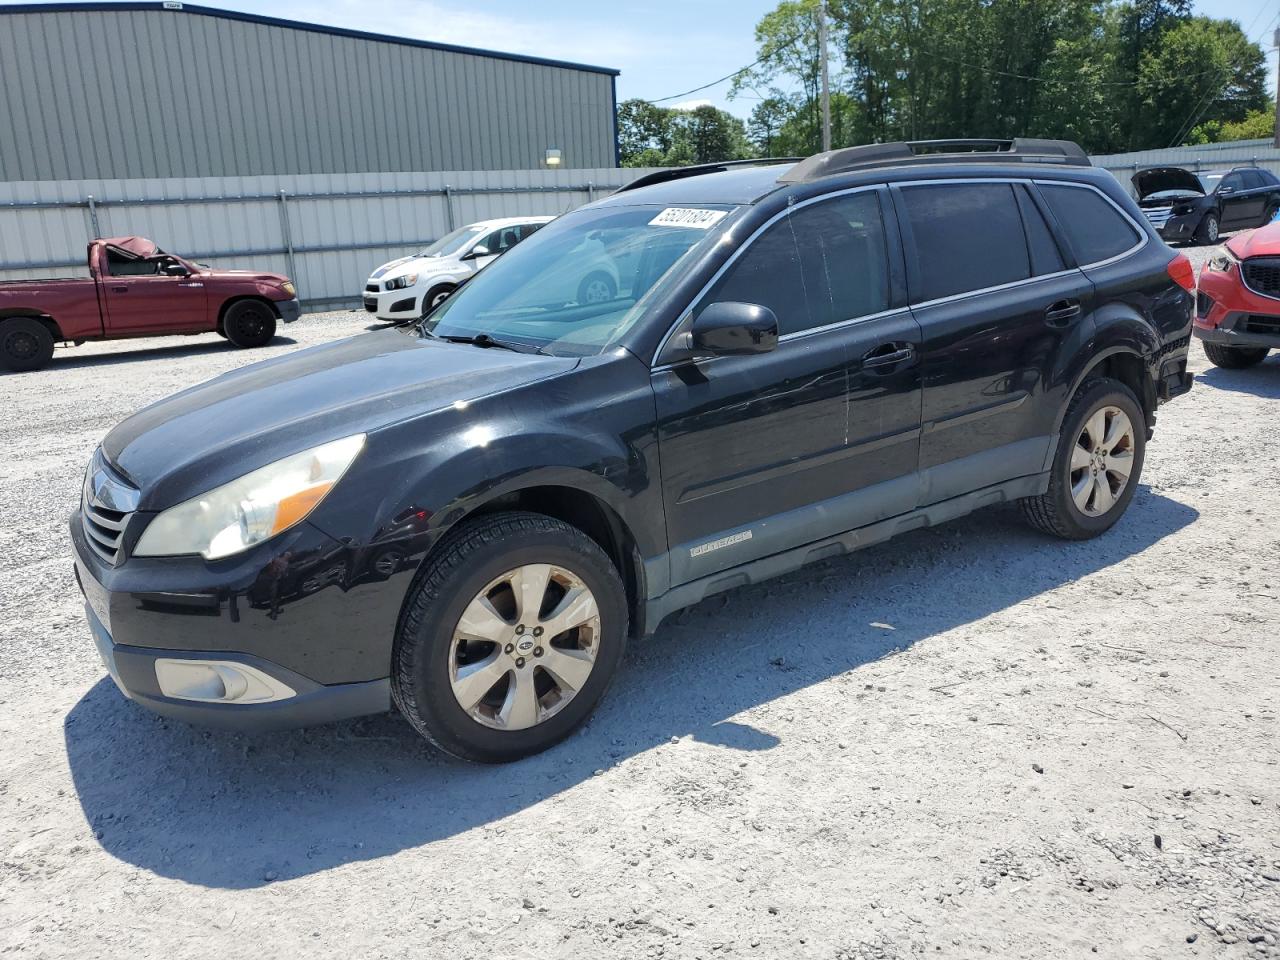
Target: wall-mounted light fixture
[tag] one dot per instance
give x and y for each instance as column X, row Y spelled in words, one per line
column 553, row 157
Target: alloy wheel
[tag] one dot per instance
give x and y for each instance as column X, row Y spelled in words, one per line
column 597, row 291
column 1101, row 461
column 524, row 647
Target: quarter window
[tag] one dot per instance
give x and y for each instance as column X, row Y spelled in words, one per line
column 1095, row 229
column 822, row 264
column 967, row 236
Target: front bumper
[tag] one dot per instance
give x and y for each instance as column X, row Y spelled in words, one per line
column 1230, row 314
column 284, row 611
column 1180, row 229
column 403, row 304
column 290, row 310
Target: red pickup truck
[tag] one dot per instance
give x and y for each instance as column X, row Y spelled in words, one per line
column 135, row 289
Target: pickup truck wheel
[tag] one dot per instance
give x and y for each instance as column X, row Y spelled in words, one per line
column 1234, row 358
column 249, row 323
column 509, row 638
column 1097, row 465
column 25, row 344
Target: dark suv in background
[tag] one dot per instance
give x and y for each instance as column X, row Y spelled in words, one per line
column 1197, row 207
column 469, row 516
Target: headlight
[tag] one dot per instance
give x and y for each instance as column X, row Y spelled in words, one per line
column 1221, row 260
column 289, row 288
column 1181, row 210
column 399, row 283
column 235, row 516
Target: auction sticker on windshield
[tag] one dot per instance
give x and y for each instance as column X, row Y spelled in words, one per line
column 688, row 217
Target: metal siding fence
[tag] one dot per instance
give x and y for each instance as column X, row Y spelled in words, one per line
column 338, row 226
column 1209, row 156
column 155, row 93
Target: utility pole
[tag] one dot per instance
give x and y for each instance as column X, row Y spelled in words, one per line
column 826, row 88
column 1276, row 39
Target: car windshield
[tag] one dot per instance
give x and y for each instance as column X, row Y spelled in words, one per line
column 451, row 243
column 1210, row 181
column 578, row 283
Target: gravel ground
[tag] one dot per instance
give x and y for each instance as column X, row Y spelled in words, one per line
column 972, row 741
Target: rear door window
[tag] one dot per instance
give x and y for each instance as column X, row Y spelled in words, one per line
column 823, row 264
column 966, row 237
column 1095, row 229
column 1045, row 256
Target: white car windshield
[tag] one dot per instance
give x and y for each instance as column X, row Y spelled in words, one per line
column 577, row 284
column 451, row 243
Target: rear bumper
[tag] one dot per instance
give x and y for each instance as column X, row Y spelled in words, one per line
column 134, row 671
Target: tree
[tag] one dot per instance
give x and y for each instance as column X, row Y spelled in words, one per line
column 653, row 136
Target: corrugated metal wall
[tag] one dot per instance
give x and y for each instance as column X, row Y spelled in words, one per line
column 338, row 227
column 182, row 93
column 1208, row 156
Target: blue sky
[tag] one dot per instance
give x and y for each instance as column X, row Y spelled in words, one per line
column 662, row 47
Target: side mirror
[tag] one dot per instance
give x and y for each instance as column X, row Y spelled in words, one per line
column 733, row 329
column 476, row 253
column 1226, row 191
column 176, row 270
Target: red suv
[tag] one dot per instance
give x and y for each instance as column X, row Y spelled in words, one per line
column 1238, row 300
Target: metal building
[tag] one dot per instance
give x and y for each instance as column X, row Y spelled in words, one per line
column 168, row 89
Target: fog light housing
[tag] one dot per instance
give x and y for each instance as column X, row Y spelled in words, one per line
column 218, row 681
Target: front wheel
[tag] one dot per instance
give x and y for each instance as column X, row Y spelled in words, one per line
column 1234, row 358
column 1097, row 465
column 249, row 323
column 510, row 637
column 436, row 296
column 1207, row 232
column 597, row 287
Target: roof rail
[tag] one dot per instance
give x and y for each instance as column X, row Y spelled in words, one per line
column 679, row 173
column 1019, row 149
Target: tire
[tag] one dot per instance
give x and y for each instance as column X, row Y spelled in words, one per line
column 1078, row 469
column 436, row 296
column 1209, row 229
column 1234, row 358
column 597, row 287
column 25, row 344
column 430, row 659
column 249, row 323
column 1272, row 210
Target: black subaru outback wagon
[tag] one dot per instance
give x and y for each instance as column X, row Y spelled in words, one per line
column 469, row 516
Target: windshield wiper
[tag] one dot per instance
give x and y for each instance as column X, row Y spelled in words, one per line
column 485, row 340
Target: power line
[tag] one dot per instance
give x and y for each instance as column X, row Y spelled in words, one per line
column 750, row 66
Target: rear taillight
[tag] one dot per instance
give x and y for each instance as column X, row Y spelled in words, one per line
column 1182, row 273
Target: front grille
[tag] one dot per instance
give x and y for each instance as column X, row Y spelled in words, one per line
column 370, row 288
column 103, row 530
column 1260, row 324
column 1158, row 216
column 1262, row 275
column 107, row 502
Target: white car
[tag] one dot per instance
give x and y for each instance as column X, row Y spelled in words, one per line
column 411, row 286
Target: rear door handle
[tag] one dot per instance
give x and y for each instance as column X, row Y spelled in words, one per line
column 119, row 289
column 885, row 356
column 1061, row 314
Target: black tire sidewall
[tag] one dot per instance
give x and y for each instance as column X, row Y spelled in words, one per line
column 1202, row 235
column 1104, row 393
column 427, row 301
column 446, row 723
column 37, row 330
column 236, row 312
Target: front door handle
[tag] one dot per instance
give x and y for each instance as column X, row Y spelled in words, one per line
column 1062, row 313
column 888, row 355
column 119, row 289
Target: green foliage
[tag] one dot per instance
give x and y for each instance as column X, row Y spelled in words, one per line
column 1257, row 125
column 1111, row 74
column 653, row 136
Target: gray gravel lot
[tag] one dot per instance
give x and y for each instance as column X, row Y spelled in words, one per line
column 972, row 741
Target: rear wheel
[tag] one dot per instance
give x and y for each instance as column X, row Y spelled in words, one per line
column 1234, row 358
column 597, row 287
column 1097, row 465
column 25, row 344
column 1207, row 232
column 249, row 323
column 510, row 637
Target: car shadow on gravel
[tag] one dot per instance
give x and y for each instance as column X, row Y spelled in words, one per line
column 68, row 358
column 1261, row 381
column 233, row 811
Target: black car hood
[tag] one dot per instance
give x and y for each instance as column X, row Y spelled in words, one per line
column 212, row 433
column 1160, row 179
